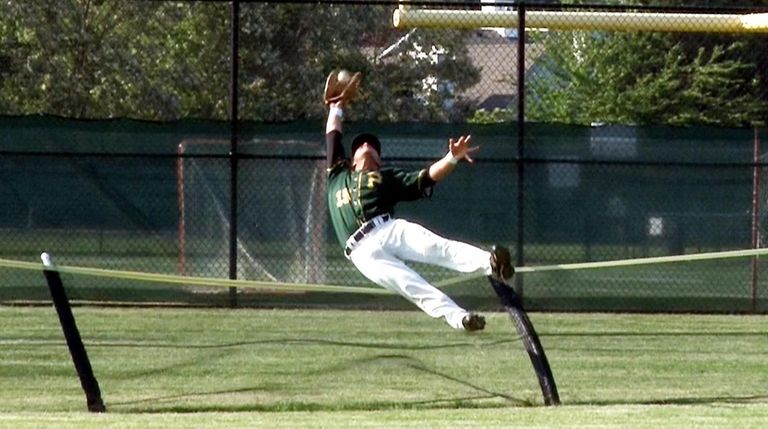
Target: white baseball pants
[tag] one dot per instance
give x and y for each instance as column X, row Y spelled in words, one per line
column 380, row 256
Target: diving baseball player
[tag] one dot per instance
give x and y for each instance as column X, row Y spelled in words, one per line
column 361, row 199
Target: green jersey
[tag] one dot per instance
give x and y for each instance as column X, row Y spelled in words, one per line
column 357, row 196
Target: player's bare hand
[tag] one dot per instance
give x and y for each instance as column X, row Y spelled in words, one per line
column 462, row 148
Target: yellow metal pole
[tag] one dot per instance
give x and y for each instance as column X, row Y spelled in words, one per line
column 559, row 20
column 755, row 22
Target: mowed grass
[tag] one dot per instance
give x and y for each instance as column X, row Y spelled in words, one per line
column 216, row 368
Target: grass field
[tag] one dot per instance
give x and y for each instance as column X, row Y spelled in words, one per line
column 217, row 368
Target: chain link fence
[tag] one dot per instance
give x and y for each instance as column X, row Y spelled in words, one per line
column 596, row 144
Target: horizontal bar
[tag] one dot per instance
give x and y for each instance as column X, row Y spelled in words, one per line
column 404, row 18
column 304, row 287
column 193, row 281
column 644, row 261
column 617, row 263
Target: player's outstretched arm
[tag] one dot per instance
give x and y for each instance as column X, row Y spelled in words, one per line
column 335, row 117
column 458, row 149
column 334, row 151
column 340, row 89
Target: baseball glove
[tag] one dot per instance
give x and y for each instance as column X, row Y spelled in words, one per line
column 340, row 86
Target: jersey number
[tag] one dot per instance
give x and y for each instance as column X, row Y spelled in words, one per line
column 342, row 197
column 374, row 178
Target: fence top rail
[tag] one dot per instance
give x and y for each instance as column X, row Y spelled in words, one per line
column 404, row 18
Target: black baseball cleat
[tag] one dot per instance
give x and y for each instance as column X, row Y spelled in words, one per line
column 473, row 322
column 501, row 263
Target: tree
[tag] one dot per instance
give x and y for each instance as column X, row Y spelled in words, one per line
column 642, row 78
column 94, row 59
column 290, row 48
column 169, row 60
column 645, row 78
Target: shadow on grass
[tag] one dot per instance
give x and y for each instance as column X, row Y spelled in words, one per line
column 656, row 334
column 707, row 400
column 642, row 346
column 468, row 402
column 282, row 341
column 480, row 401
column 31, row 342
column 485, row 398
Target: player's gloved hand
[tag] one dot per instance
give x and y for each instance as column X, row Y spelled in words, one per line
column 341, row 87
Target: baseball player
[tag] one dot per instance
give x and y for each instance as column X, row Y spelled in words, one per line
column 361, row 199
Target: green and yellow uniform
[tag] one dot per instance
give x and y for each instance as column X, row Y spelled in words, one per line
column 361, row 205
column 357, row 196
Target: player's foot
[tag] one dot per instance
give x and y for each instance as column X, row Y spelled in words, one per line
column 501, row 263
column 473, row 322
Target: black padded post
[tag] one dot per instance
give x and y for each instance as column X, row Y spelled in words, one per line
column 72, row 335
column 514, row 306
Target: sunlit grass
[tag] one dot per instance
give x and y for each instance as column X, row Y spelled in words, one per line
column 161, row 367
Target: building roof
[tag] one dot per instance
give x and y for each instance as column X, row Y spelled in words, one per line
column 495, row 56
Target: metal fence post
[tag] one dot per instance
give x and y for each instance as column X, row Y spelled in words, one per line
column 520, row 143
column 234, row 129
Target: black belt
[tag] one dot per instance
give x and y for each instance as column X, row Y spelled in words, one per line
column 364, row 230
